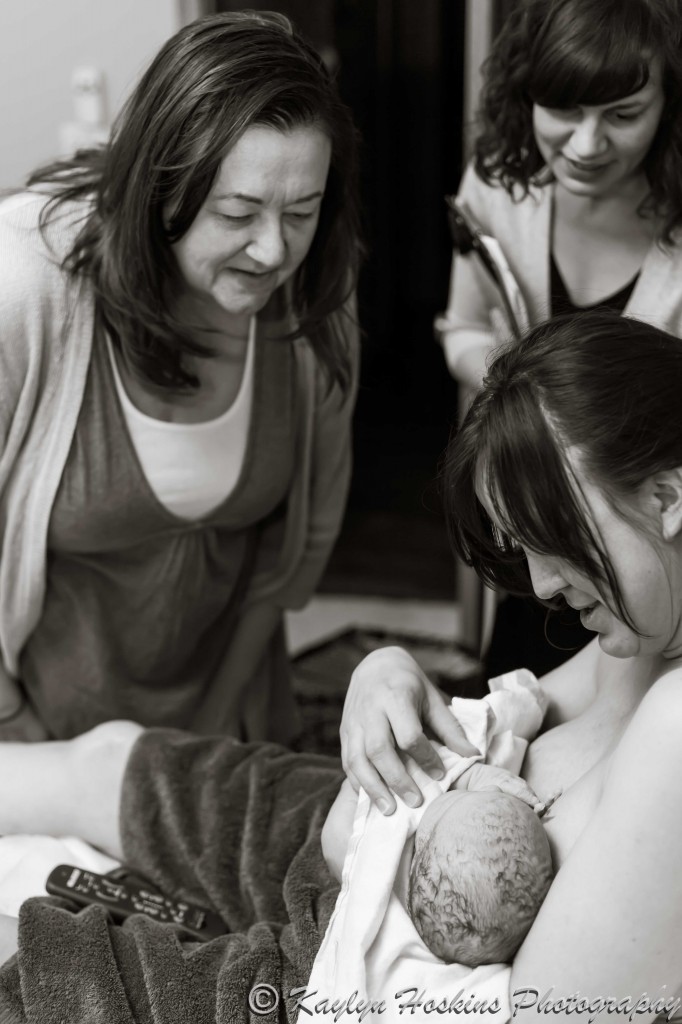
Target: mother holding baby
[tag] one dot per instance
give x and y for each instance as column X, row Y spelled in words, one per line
column 566, row 481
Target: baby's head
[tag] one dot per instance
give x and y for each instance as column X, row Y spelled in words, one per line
column 480, row 871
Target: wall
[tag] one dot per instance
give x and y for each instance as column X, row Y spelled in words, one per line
column 479, row 32
column 42, row 41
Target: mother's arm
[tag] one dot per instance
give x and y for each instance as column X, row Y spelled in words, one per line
column 612, row 922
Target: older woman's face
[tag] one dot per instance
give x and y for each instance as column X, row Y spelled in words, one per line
column 257, row 223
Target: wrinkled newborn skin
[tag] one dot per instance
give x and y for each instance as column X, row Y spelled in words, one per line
column 480, row 871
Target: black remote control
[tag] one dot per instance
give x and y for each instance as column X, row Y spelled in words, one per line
column 122, row 899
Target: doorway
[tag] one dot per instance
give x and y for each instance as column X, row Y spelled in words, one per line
column 400, row 69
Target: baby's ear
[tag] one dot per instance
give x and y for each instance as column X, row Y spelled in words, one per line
column 666, row 488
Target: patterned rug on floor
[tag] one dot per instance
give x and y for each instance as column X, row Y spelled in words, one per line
column 322, row 674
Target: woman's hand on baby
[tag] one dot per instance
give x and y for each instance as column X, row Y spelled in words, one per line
column 389, row 701
column 480, row 776
column 501, row 329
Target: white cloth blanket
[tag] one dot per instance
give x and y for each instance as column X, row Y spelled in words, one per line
column 372, row 956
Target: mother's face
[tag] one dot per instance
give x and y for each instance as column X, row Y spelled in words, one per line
column 257, row 223
column 647, row 568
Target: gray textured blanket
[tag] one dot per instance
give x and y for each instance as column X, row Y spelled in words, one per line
column 231, row 826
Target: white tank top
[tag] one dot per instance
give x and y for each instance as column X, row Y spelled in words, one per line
column 192, row 467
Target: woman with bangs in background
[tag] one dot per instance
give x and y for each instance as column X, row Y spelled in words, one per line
column 179, row 354
column 577, row 172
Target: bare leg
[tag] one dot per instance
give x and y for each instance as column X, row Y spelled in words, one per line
column 70, row 787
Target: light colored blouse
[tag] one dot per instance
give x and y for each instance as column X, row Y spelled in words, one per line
column 192, row 467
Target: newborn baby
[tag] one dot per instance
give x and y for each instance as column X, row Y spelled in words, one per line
column 480, row 870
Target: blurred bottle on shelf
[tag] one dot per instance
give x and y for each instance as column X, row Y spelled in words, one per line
column 90, row 124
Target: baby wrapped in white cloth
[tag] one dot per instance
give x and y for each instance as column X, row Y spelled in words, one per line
column 469, row 885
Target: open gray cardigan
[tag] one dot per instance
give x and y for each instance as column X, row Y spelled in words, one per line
column 523, row 229
column 46, row 337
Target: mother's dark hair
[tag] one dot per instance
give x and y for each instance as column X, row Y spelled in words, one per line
column 208, row 84
column 563, row 53
column 607, row 386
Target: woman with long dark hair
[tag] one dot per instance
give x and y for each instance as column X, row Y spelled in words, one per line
column 179, row 354
column 565, row 482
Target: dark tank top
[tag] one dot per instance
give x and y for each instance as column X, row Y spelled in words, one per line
column 561, row 302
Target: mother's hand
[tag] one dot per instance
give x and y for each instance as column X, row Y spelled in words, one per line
column 389, row 701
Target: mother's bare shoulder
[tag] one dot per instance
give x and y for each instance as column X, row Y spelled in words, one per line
column 612, row 921
column 652, row 738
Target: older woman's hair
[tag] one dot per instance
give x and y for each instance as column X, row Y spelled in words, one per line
column 604, row 385
column 209, row 83
column 566, row 53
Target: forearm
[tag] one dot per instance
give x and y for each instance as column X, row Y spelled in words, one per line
column 467, row 329
column 70, row 787
column 466, row 352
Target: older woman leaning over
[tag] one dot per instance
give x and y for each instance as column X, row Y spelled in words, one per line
column 179, row 356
